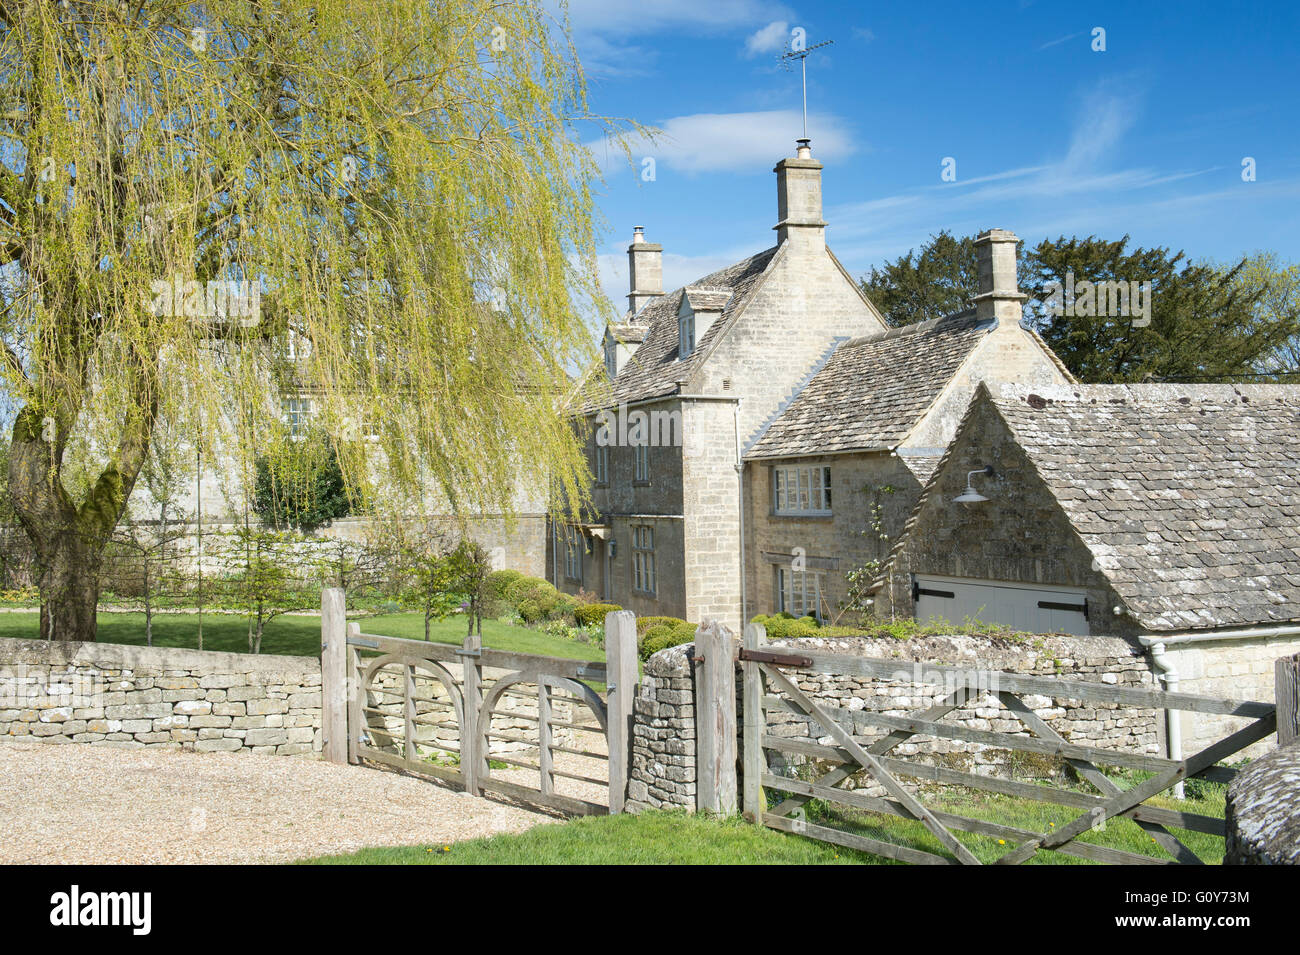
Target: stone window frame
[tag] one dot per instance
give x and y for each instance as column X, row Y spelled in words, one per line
column 600, row 465
column 643, row 559
column 686, row 335
column 803, row 481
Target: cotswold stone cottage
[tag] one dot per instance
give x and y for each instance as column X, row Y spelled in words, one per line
column 1164, row 514
column 766, row 427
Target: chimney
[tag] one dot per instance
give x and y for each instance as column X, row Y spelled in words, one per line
column 999, row 297
column 799, row 199
column 645, row 262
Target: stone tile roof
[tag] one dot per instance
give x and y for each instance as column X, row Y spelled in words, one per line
column 629, row 333
column 873, row 390
column 1188, row 496
column 654, row 368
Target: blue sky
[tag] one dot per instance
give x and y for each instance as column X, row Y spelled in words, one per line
column 1049, row 137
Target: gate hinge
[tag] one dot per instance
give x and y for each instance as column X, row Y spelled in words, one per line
column 775, row 659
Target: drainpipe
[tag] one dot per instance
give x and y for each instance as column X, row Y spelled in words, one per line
column 740, row 495
column 1164, row 666
column 1173, row 725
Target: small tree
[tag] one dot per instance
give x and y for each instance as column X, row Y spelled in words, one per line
column 263, row 584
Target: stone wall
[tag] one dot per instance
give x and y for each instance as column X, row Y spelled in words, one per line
column 832, row 546
column 160, row 697
column 1093, row 659
column 664, row 732
column 1232, row 669
column 1263, row 811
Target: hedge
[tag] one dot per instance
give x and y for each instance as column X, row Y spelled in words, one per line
column 594, row 614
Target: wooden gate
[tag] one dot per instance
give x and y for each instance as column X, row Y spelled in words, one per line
column 841, row 753
column 545, row 730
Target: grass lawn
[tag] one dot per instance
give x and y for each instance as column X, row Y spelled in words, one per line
column 300, row 636
column 675, row 838
column 1121, row 834
column 653, row 838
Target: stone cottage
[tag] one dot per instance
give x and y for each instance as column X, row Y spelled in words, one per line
column 755, row 416
column 1164, row 514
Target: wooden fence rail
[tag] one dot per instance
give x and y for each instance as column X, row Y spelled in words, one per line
column 382, row 696
column 844, row 750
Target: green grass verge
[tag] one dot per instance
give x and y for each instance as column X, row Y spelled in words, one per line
column 652, row 838
column 1025, row 814
column 300, row 636
column 675, row 838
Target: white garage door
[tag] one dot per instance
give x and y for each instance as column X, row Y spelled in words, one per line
column 1024, row 607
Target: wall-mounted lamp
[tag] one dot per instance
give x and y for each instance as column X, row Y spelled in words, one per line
column 613, row 547
column 970, row 495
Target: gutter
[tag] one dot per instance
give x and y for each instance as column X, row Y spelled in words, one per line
column 1157, row 645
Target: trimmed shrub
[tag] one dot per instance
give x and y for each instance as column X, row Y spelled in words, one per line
column 535, row 599
column 589, row 614
column 664, row 635
column 783, row 625
column 498, row 581
column 645, row 623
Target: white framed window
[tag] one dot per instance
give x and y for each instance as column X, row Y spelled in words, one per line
column 686, row 335
column 642, row 455
column 601, row 468
column 643, row 559
column 799, row 592
column 801, row 490
column 296, row 412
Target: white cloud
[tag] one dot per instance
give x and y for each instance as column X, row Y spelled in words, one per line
column 733, row 142
column 602, row 29
column 769, row 39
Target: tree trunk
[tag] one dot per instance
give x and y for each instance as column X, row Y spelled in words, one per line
column 69, row 538
column 69, row 583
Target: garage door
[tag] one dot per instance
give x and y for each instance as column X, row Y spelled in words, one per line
column 1025, row 607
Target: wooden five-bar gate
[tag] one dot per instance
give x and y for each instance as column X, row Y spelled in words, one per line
column 545, row 730
column 846, row 745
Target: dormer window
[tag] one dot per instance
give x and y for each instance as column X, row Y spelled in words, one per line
column 699, row 309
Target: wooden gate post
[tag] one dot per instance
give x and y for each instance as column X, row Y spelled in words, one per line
column 334, row 674
column 620, row 669
column 473, row 738
column 1286, row 672
column 715, row 720
column 755, row 726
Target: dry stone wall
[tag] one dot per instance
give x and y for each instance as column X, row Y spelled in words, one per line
column 160, row 697
column 664, row 732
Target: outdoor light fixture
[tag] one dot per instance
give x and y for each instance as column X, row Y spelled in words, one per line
column 970, row 495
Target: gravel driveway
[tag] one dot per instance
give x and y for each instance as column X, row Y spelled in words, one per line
column 89, row 804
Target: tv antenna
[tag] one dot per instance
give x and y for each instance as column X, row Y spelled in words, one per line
column 802, row 56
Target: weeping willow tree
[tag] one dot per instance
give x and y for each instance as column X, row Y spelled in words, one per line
column 205, row 206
